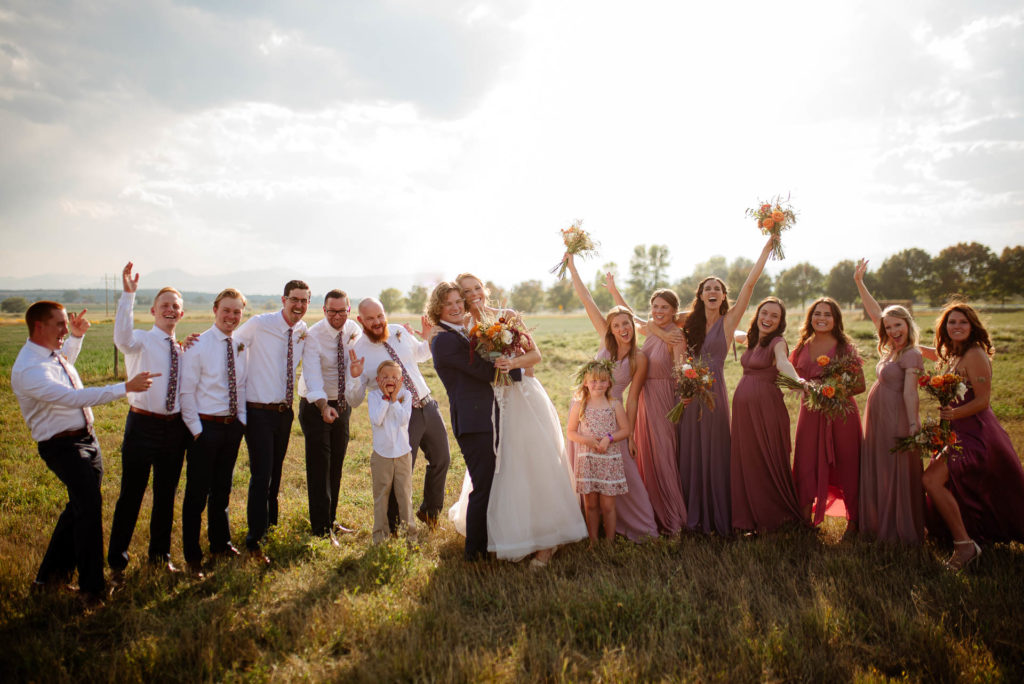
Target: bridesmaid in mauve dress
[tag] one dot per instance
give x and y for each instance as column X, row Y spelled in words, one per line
column 704, row 441
column 891, row 494
column 978, row 494
column 763, row 495
column 634, row 516
column 826, row 457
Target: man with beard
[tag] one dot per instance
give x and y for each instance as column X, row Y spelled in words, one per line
column 383, row 342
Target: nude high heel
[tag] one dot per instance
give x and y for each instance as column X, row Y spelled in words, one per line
column 957, row 565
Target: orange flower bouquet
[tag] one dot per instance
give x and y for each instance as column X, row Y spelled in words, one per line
column 945, row 387
column 693, row 380
column 773, row 217
column 505, row 335
column 933, row 440
column 829, row 394
column 578, row 243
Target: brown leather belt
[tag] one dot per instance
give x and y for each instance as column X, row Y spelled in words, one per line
column 169, row 417
column 77, row 433
column 280, row 407
column 223, row 420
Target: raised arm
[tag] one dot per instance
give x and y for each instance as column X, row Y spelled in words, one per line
column 609, row 283
column 124, row 319
column 874, row 311
column 733, row 316
column 589, row 305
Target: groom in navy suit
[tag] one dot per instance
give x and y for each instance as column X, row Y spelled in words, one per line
column 467, row 380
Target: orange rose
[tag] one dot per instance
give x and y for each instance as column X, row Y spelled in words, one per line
column 777, row 216
column 822, row 360
column 690, row 373
column 936, row 381
column 828, row 391
column 768, row 224
column 766, row 208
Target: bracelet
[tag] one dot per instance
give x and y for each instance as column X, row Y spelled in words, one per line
column 609, row 436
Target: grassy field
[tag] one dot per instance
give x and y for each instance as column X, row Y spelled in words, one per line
column 790, row 606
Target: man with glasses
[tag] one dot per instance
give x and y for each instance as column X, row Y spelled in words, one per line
column 276, row 343
column 327, row 441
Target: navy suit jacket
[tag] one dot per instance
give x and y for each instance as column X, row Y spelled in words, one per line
column 467, row 380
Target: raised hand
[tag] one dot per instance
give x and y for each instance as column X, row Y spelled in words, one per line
column 141, row 382
column 427, row 328
column 862, row 268
column 609, row 281
column 355, row 366
column 78, row 323
column 129, row 283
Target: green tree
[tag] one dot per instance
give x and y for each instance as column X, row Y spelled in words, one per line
column 496, row 293
column 561, row 297
column 602, row 297
column 528, row 296
column 909, row 274
column 14, row 305
column 1006, row 279
column 965, row 269
column 648, row 270
column 839, row 284
column 799, row 282
column 737, row 274
column 687, row 287
column 391, row 299
column 71, row 296
column 416, row 298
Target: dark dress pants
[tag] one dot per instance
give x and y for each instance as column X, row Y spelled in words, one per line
column 266, row 436
column 208, row 474
column 426, row 432
column 478, row 450
column 326, row 444
column 77, row 539
column 149, row 443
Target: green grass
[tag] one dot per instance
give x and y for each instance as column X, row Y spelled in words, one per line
column 790, row 606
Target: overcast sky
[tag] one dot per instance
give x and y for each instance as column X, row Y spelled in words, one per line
column 356, row 138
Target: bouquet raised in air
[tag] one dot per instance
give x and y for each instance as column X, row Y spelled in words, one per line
column 773, row 217
column 935, row 438
column 578, row 243
column 829, row 394
column 694, row 381
column 945, row 387
column 502, row 335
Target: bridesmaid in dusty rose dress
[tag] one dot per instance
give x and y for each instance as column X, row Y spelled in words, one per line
column 891, row 494
column 979, row 493
column 634, row 515
column 704, row 441
column 763, row 495
column 826, row 458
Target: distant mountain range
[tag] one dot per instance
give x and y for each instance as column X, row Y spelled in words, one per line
column 258, row 282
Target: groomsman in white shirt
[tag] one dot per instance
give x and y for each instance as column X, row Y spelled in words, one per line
column 155, row 437
column 55, row 406
column 382, row 342
column 213, row 375
column 327, row 442
column 276, row 342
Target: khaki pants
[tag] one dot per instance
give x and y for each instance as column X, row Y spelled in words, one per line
column 388, row 473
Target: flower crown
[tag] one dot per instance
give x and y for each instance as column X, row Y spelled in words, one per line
column 606, row 365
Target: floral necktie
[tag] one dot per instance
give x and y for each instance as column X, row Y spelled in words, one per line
column 289, row 392
column 232, row 382
column 86, row 411
column 406, row 380
column 342, row 404
column 172, row 379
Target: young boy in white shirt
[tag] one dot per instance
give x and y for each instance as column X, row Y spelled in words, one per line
column 390, row 407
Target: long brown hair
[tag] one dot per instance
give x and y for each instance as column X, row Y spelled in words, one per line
column 754, row 332
column 611, row 343
column 944, row 345
column 696, row 322
column 838, row 332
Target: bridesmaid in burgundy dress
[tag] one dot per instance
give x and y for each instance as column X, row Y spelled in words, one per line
column 704, row 441
column 891, row 495
column 634, row 514
column 763, row 495
column 979, row 492
column 826, row 458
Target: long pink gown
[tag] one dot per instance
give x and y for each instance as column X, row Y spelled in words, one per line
column 891, row 493
column 763, row 495
column 656, row 441
column 633, row 512
column 826, row 458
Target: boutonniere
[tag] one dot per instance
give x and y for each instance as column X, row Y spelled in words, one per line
column 401, row 399
column 241, row 346
column 398, row 335
column 351, row 337
column 302, row 335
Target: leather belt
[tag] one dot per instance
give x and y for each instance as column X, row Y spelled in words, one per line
column 223, row 420
column 169, row 417
column 425, row 401
column 77, row 433
column 280, row 406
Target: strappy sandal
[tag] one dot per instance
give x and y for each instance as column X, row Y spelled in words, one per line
column 958, row 565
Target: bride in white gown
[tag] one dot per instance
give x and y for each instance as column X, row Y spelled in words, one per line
column 533, row 507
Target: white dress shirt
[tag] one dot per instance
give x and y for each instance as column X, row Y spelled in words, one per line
column 326, row 339
column 146, row 350
column 50, row 401
column 410, row 350
column 266, row 339
column 204, row 379
column 390, row 422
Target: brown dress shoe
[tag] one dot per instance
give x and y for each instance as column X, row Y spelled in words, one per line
column 429, row 520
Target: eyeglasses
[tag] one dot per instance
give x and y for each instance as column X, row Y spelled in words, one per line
column 337, row 312
column 297, row 300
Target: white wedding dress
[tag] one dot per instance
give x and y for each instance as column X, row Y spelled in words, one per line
column 532, row 505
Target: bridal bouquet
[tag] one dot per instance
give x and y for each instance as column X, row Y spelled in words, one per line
column 693, row 380
column 829, row 394
column 505, row 335
column 933, row 439
column 578, row 243
column 773, row 217
column 945, row 387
